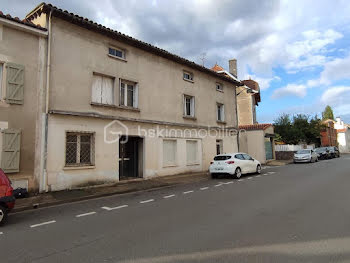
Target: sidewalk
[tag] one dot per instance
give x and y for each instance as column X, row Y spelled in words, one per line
column 135, row 185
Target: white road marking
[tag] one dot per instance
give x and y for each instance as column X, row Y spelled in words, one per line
column 147, row 201
column 204, row 188
column 249, row 178
column 271, row 172
column 258, row 175
column 86, row 214
column 168, row 196
column 42, row 224
column 113, row 208
column 187, row 192
column 240, row 180
column 229, row 182
column 1, row 233
column 264, row 174
column 218, row 185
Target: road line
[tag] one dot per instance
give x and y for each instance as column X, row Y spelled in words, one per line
column 240, row 180
column 42, row 224
column 86, row 214
column 218, row 185
column 249, row 178
column 271, row 172
column 264, row 174
column 188, row 192
column 229, row 182
column 168, row 196
column 204, row 188
column 258, row 175
column 113, row 208
column 146, row 201
column 1, row 233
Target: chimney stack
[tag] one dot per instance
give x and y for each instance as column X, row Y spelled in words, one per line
column 233, row 67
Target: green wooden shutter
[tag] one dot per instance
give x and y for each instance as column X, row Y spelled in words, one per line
column 11, row 145
column 14, row 83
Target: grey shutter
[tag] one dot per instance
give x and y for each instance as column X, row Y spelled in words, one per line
column 11, row 145
column 14, row 83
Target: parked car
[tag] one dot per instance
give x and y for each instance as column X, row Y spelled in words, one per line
column 305, row 156
column 334, row 152
column 234, row 164
column 7, row 200
column 323, row 153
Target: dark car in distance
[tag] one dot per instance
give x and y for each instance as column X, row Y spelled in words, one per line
column 323, row 153
column 333, row 151
column 7, row 200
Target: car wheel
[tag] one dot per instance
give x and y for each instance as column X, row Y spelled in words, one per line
column 258, row 169
column 3, row 215
column 238, row 173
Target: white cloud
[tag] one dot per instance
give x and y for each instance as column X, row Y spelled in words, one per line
column 290, row 90
column 339, row 98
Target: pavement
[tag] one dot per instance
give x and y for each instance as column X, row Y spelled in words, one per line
column 291, row 213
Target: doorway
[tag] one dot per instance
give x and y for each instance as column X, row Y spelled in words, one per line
column 130, row 157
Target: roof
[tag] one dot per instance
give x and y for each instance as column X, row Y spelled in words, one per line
column 254, row 127
column 217, row 68
column 341, row 130
column 91, row 25
column 254, row 86
column 25, row 22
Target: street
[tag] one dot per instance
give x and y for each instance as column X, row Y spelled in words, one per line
column 292, row 213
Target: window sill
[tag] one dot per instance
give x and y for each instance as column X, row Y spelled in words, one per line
column 119, row 58
column 115, row 106
column 192, row 164
column 169, row 165
column 76, row 167
column 219, row 90
column 191, row 81
column 221, row 122
column 189, row 117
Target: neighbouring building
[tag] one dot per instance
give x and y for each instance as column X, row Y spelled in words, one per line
column 328, row 133
column 254, row 139
column 119, row 108
column 343, row 135
column 22, row 81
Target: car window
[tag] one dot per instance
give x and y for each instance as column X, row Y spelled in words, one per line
column 247, row 157
column 303, row 151
column 222, row 157
column 239, row 156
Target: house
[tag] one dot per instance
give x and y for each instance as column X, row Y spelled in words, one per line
column 328, row 133
column 343, row 135
column 118, row 108
column 22, row 82
column 254, row 139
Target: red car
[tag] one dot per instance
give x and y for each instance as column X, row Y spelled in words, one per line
column 7, row 200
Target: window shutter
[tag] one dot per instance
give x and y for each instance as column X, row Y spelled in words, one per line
column 136, row 96
column 14, row 83
column 11, row 145
column 97, row 89
column 107, row 90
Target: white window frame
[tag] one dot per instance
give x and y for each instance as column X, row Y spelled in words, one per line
column 174, row 163
column 92, row 149
column 117, row 49
column 189, row 74
column 113, row 89
column 192, row 106
column 135, row 92
column 219, row 87
column 221, row 107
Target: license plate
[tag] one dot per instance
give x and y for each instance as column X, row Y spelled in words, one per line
column 219, row 169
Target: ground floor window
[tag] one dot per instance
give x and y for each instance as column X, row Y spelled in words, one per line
column 219, row 147
column 192, row 152
column 169, row 152
column 79, row 149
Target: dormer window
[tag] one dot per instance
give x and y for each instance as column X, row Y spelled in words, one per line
column 188, row 76
column 116, row 52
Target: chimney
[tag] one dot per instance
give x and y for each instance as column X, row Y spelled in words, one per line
column 233, row 67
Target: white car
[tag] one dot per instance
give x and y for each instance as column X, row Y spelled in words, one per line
column 305, row 156
column 234, row 164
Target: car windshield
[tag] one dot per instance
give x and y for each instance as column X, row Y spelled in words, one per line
column 303, row 151
column 222, row 157
column 319, row 150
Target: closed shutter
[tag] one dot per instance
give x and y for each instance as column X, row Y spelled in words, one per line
column 169, row 152
column 191, row 152
column 11, row 145
column 107, row 90
column 14, row 83
column 97, row 89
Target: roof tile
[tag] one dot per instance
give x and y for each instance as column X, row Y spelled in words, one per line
column 257, row 126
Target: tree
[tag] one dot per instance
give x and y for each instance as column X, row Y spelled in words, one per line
column 327, row 113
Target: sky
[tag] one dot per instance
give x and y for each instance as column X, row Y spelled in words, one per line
column 298, row 51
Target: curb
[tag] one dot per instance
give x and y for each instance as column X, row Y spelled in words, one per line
column 96, row 196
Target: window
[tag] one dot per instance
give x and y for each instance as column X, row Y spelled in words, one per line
column 239, row 157
column 220, row 112
column 219, row 147
column 219, row 87
column 169, row 152
column 247, row 157
column 116, row 52
column 128, row 94
column 103, row 89
column 189, row 106
column 191, row 152
column 79, row 149
column 188, row 76
column 1, row 73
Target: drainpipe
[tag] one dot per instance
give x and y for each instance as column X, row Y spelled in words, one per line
column 237, row 119
column 48, row 64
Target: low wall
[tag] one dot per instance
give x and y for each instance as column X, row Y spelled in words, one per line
column 284, row 155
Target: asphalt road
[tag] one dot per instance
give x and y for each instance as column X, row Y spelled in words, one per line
column 294, row 213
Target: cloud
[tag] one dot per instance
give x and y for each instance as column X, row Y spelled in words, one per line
column 290, row 90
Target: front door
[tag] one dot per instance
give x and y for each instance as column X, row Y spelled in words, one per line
column 268, row 149
column 128, row 157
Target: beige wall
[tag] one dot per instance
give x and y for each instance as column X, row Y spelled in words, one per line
column 253, row 143
column 244, row 107
column 28, row 49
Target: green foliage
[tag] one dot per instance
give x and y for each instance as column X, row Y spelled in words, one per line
column 299, row 128
column 328, row 113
